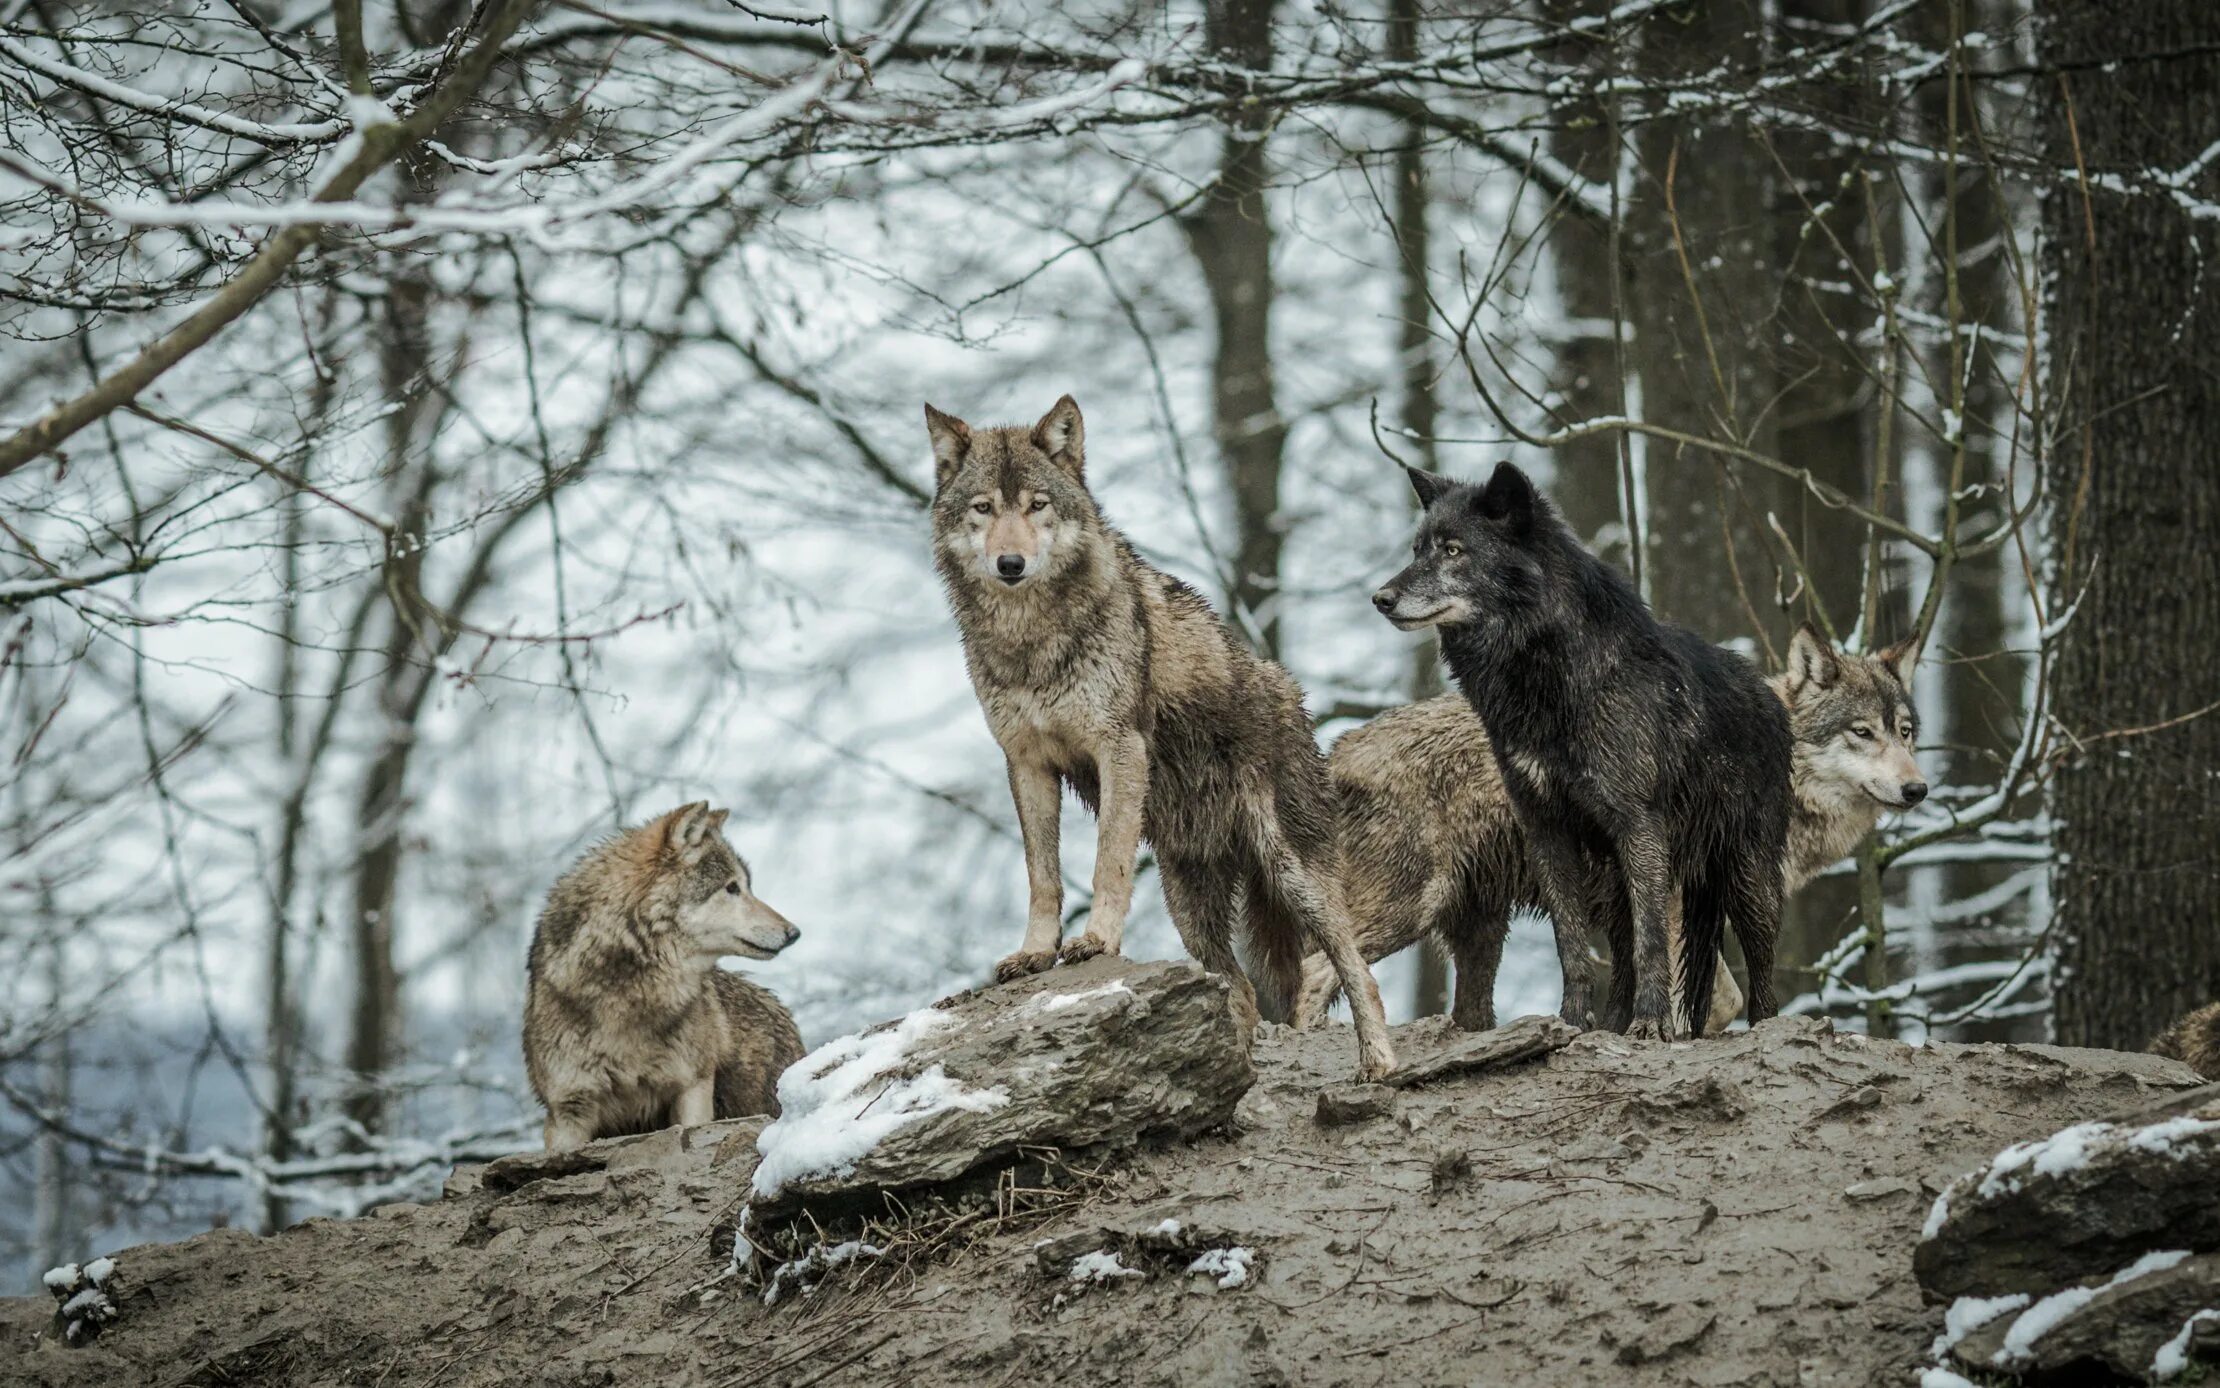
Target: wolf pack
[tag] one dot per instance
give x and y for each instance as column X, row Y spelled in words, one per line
column 1637, row 783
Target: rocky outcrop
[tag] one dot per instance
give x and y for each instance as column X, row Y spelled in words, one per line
column 1730, row 1211
column 1079, row 1061
column 2094, row 1251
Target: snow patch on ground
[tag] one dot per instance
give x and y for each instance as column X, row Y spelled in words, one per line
column 805, row 1272
column 1101, row 1267
column 1230, row 1266
column 840, row 1101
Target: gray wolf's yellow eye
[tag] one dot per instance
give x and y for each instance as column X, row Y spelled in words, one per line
column 1863, row 731
column 982, row 508
column 1040, row 503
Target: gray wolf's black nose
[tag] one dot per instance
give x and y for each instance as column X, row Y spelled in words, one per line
column 1914, row 792
column 1010, row 566
column 1385, row 599
column 792, row 935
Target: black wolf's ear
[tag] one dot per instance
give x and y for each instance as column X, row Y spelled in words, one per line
column 1062, row 435
column 1902, row 658
column 951, row 441
column 689, row 829
column 1509, row 496
column 1811, row 661
column 1428, row 485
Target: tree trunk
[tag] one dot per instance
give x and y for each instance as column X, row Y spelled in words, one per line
column 2135, row 502
column 1231, row 232
column 1700, row 308
column 1416, row 406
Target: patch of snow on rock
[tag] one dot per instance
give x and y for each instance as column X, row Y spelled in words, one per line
column 2172, row 1359
column 2043, row 1317
column 838, row 1102
column 1057, row 1002
column 1969, row 1313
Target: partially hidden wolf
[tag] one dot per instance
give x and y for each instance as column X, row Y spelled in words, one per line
column 629, row 1025
column 2194, row 1040
column 1430, row 845
column 1099, row 671
column 1641, row 760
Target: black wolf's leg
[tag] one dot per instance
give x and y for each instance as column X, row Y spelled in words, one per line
column 1564, row 875
column 1473, row 931
column 1645, row 860
column 1754, row 907
column 1703, row 924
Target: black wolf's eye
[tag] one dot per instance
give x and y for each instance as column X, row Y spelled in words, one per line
column 982, row 508
column 1863, row 731
column 732, row 888
column 1040, row 503
column 1452, row 549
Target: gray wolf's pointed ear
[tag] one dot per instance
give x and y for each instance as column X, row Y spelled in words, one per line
column 688, row 829
column 1062, row 435
column 1509, row 496
column 1902, row 657
column 951, row 441
column 1811, row 661
column 1426, row 484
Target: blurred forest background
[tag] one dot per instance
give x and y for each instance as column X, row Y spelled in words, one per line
column 435, row 433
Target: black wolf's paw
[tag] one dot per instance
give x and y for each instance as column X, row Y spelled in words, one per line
column 1656, row 1029
column 1022, row 963
column 1573, row 1013
column 1082, row 947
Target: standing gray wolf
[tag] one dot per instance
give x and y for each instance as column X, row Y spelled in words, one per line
column 1099, row 671
column 629, row 1025
column 2194, row 1040
column 1641, row 760
column 1430, row 844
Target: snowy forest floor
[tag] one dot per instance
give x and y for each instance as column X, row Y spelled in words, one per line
column 1735, row 1211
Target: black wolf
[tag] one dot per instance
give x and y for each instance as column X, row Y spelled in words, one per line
column 1641, row 759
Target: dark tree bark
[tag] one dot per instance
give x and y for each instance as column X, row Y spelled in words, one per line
column 1231, row 232
column 2134, row 329
column 1700, row 309
column 1416, row 404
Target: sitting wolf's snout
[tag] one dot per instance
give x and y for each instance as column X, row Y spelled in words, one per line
column 1385, row 599
column 1010, row 567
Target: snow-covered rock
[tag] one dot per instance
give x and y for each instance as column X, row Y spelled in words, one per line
column 1085, row 1059
column 2125, row 1323
column 2086, row 1201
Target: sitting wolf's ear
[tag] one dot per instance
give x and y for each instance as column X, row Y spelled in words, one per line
column 1062, row 435
column 688, row 830
column 1428, row 485
column 1811, row 661
column 951, row 441
column 1509, row 496
column 1902, row 658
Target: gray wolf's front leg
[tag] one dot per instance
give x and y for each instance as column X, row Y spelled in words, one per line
column 1124, row 770
column 1646, row 863
column 1039, row 801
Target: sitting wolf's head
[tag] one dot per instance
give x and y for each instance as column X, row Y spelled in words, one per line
column 690, row 880
column 1481, row 552
column 1010, row 505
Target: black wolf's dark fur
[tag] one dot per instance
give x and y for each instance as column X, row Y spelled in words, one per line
column 1639, row 757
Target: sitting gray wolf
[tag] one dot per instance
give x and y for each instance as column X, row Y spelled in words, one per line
column 1430, row 843
column 1641, row 760
column 629, row 1025
column 2194, row 1040
column 1098, row 671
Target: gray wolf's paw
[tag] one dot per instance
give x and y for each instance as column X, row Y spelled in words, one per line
column 1650, row 1029
column 1022, row 963
column 1082, row 947
column 1485, row 1021
column 1376, row 1066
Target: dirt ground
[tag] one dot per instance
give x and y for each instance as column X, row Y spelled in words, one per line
column 1734, row 1211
